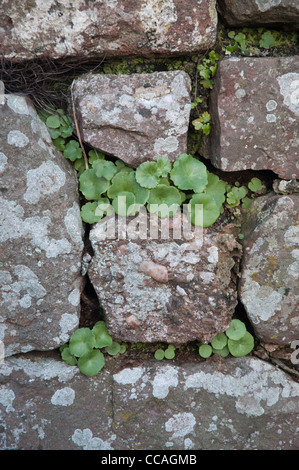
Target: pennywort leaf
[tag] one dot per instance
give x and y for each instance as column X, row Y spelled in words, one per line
column 188, row 173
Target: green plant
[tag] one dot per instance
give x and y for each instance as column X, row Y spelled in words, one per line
column 84, row 347
column 236, row 340
column 250, row 41
column 168, row 353
column 203, row 123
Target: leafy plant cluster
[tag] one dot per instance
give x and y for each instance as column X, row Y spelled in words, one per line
column 249, row 41
column 61, row 129
column 206, row 70
column 236, row 341
column 85, row 345
column 159, row 185
column 163, row 187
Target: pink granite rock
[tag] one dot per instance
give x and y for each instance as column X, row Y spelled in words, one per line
column 89, row 28
column 41, row 234
column 255, row 116
column 164, row 289
column 136, row 117
column 269, row 286
column 254, row 12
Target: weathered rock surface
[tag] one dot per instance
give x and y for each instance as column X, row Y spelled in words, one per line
column 164, row 288
column 106, row 28
column 254, row 12
column 40, row 234
column 235, row 404
column 135, row 117
column 255, row 113
column 269, row 287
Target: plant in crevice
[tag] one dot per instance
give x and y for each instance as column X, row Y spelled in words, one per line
column 84, row 348
column 236, row 340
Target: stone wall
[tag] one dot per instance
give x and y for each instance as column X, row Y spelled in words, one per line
column 234, row 63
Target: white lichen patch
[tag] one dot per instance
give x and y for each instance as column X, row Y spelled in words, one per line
column 73, row 223
column 289, row 88
column 271, row 105
column 180, row 425
column 45, row 370
column 13, row 226
column 168, row 145
column 3, row 162
column 265, row 5
column 84, row 438
column 45, row 180
column 291, row 236
column 22, row 291
column 262, row 302
column 63, row 397
column 74, row 297
column 67, row 323
column 7, row 397
column 164, row 379
column 17, row 138
column 17, row 103
column 128, row 376
column 261, row 386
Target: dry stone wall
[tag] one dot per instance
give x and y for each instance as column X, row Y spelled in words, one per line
column 168, row 290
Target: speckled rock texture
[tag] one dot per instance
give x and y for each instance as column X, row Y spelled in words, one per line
column 269, row 287
column 40, row 234
column 136, row 117
column 255, row 113
column 255, row 12
column 172, row 288
column 235, row 404
column 88, row 28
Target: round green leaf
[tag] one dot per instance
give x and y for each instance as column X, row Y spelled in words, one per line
column 164, row 200
column 91, row 363
column 210, row 210
column 205, row 350
column 159, row 354
column 53, row 122
column 126, row 181
column 102, row 337
column 91, row 186
column 222, row 352
column 125, row 204
column 113, row 349
column 54, row 133
column 104, row 168
column 88, row 213
column 236, row 330
column 72, row 150
column 163, row 166
column 68, row 357
column 59, row 143
column 216, row 188
column 81, row 342
column 188, row 173
column 220, row 341
column 242, row 347
column 255, row 184
column 147, row 174
column 169, row 353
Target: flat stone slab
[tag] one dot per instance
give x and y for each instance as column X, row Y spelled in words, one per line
column 255, row 116
column 231, row 404
column 136, row 117
column 41, row 234
column 84, row 28
column 269, row 287
column 167, row 288
column 254, row 12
